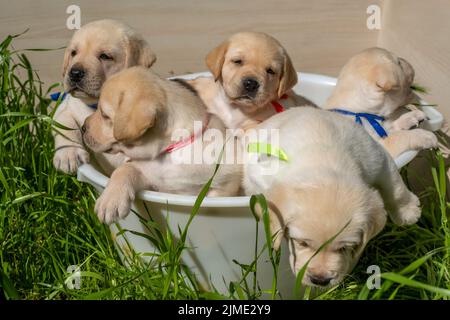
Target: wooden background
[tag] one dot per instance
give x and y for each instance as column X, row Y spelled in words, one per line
column 420, row 32
column 319, row 35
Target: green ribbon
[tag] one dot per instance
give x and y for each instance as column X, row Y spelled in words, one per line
column 268, row 149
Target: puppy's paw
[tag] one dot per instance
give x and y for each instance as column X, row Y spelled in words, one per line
column 69, row 159
column 425, row 139
column 113, row 204
column 408, row 213
column 411, row 120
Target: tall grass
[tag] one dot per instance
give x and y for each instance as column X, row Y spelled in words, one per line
column 47, row 224
column 46, row 218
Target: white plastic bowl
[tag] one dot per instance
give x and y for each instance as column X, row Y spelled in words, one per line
column 224, row 229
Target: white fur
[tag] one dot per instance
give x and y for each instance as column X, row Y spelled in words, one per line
column 336, row 173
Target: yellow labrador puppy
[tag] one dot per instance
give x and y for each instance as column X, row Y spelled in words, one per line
column 166, row 135
column 333, row 173
column 96, row 51
column 373, row 88
column 252, row 80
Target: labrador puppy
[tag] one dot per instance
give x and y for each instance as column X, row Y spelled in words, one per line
column 165, row 133
column 96, row 51
column 252, row 80
column 377, row 82
column 334, row 180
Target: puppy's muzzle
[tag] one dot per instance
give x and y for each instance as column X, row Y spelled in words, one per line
column 76, row 74
column 320, row 280
column 250, row 87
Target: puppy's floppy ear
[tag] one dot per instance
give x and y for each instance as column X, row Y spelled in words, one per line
column 66, row 61
column 384, row 77
column 288, row 78
column 376, row 219
column 277, row 226
column 216, row 58
column 408, row 69
column 132, row 121
column 277, row 200
column 138, row 53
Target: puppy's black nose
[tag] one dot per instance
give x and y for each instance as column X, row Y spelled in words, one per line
column 250, row 85
column 320, row 280
column 83, row 128
column 76, row 74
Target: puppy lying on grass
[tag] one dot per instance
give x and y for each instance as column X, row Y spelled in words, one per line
column 373, row 88
column 138, row 116
column 331, row 173
column 95, row 52
column 252, row 80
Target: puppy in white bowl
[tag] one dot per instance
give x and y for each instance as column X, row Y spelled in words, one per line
column 253, row 77
column 373, row 89
column 329, row 176
column 169, row 141
column 97, row 51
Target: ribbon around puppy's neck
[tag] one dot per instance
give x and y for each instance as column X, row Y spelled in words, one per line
column 370, row 117
column 267, row 149
column 60, row 96
column 278, row 107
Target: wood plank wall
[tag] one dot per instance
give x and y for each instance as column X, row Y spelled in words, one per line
column 319, row 35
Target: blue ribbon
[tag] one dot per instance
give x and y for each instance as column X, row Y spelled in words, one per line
column 55, row 97
column 373, row 120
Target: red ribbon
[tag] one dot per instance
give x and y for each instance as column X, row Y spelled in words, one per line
column 277, row 106
column 182, row 143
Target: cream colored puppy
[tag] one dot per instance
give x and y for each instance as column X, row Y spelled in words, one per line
column 96, row 51
column 151, row 122
column 252, row 80
column 335, row 174
column 378, row 82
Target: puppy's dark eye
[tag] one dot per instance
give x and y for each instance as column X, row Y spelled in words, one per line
column 342, row 250
column 302, row 243
column 104, row 56
column 73, row 53
column 104, row 116
column 347, row 249
column 237, row 61
column 270, row 71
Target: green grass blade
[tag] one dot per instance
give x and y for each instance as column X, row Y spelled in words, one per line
column 415, row 284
